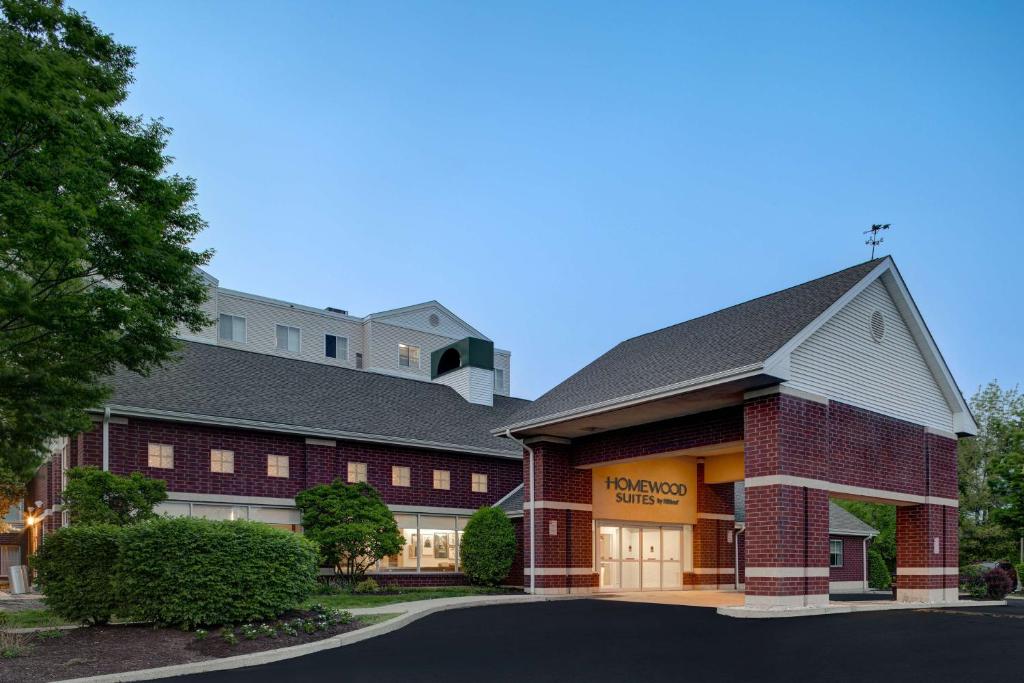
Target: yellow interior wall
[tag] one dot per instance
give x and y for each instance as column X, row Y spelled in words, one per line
column 648, row 507
column 720, row 469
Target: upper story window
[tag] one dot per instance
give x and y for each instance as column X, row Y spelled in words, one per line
column 442, row 479
column 277, row 466
column 835, row 553
column 499, row 379
column 232, row 328
column 222, row 461
column 287, row 338
column 479, row 483
column 359, row 361
column 408, row 356
column 161, row 455
column 400, row 476
column 336, row 347
column 356, row 472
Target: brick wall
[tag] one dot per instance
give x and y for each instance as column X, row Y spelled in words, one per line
column 309, row 464
column 853, row 559
column 705, row 429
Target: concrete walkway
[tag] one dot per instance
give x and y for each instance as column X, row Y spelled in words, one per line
column 690, row 598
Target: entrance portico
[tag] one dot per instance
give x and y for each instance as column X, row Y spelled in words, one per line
column 831, row 389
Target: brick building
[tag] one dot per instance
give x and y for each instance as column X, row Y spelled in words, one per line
column 626, row 476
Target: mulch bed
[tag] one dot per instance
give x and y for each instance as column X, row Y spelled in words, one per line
column 113, row 649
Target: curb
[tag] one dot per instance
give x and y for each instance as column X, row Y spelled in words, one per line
column 276, row 655
column 848, row 608
column 41, row 629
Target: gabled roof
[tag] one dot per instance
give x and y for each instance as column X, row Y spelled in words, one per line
column 382, row 315
column 218, row 385
column 749, row 339
column 840, row 521
column 512, row 503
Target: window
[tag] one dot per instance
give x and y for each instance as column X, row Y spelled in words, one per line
column 835, row 553
column 359, row 361
column 479, row 483
column 356, row 472
column 400, row 476
column 431, row 544
column 161, row 455
column 442, row 479
column 336, row 347
column 287, row 338
column 222, row 461
column 408, row 356
column 277, row 466
column 232, row 328
column 499, row 379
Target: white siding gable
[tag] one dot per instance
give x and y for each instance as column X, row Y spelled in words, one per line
column 842, row 361
column 419, row 318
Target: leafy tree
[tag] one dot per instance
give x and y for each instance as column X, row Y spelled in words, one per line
column 351, row 524
column 883, row 518
column 488, row 546
column 1007, row 482
column 998, row 413
column 93, row 496
column 12, row 490
column 94, row 233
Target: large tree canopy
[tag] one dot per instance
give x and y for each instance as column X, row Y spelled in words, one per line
column 94, row 231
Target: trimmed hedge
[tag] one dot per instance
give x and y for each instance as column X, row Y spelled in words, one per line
column 176, row 571
column 488, row 547
column 878, row 574
column 194, row 572
column 997, row 583
column 73, row 569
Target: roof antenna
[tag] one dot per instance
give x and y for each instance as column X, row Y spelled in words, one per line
column 875, row 240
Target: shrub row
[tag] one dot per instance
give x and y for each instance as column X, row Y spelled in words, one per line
column 181, row 572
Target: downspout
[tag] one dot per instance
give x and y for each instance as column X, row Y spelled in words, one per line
column 533, row 516
column 106, row 439
column 865, row 576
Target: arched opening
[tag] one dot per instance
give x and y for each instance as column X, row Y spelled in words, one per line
column 449, row 360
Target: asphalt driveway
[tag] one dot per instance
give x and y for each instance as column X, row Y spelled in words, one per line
column 595, row 640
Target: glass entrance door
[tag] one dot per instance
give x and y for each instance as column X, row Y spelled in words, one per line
column 639, row 558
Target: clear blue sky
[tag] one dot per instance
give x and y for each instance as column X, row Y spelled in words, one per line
column 567, row 177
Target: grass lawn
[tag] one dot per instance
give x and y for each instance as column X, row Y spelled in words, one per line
column 371, row 619
column 351, row 600
column 30, row 618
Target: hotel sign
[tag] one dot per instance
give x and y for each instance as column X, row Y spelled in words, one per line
column 658, row 490
column 645, row 491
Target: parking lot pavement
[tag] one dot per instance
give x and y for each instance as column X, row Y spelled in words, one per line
column 601, row 640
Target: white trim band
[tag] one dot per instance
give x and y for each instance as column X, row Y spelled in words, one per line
column 927, row 571
column 557, row 505
column 716, row 515
column 559, row 571
column 713, row 570
column 786, row 572
column 786, row 391
column 862, row 491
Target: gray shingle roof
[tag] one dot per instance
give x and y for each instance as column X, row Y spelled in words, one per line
column 840, row 521
column 219, row 382
column 729, row 339
column 512, row 504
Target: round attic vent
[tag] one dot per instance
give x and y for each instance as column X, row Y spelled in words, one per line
column 877, row 326
column 434, row 320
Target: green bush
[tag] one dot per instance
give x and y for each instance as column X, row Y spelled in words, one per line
column 196, row 572
column 488, row 546
column 878, row 574
column 74, row 571
column 367, row 585
column 94, row 496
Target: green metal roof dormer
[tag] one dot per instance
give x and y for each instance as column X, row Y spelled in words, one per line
column 468, row 352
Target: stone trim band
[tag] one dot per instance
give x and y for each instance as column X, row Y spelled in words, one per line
column 831, row 487
column 560, row 571
column 927, row 571
column 715, row 515
column 786, row 572
column 714, row 570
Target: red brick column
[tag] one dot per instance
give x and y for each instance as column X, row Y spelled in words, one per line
column 786, row 544
column 713, row 552
column 562, row 515
column 927, row 547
